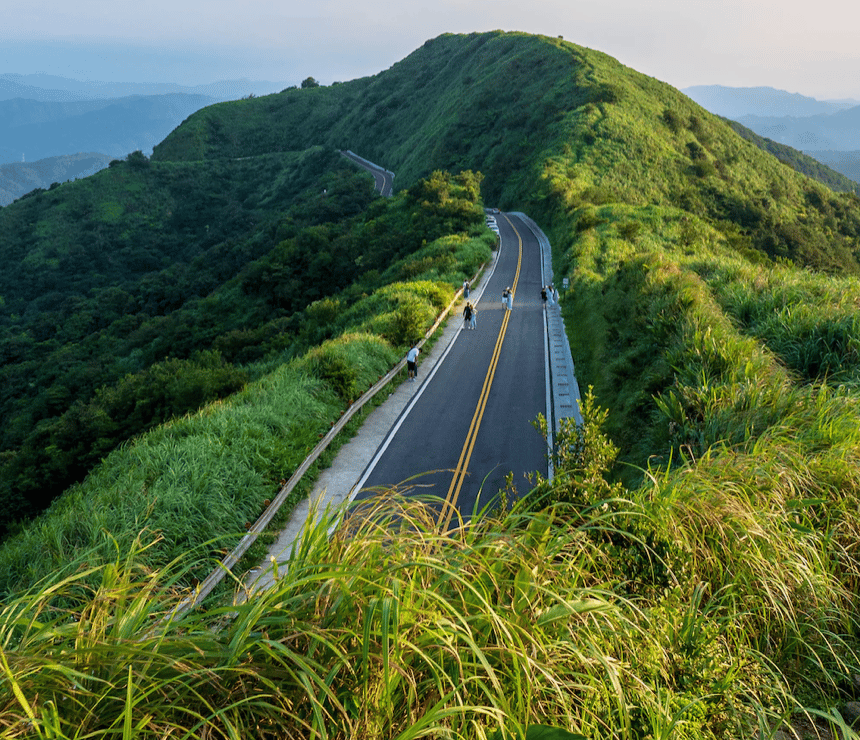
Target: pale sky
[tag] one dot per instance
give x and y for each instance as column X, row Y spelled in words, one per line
column 805, row 47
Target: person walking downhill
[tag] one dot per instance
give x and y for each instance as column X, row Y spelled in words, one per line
column 467, row 316
column 474, row 320
column 412, row 362
column 510, row 299
column 466, row 288
column 550, row 294
column 543, row 295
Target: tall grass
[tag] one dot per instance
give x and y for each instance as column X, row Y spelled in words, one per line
column 396, row 627
column 733, row 396
column 197, row 481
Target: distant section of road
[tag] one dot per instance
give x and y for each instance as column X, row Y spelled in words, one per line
column 384, row 178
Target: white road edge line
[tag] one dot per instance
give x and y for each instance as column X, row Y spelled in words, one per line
column 356, row 489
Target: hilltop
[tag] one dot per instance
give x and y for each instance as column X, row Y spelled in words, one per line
column 572, row 126
column 691, row 570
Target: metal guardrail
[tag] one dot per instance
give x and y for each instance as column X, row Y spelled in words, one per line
column 206, row 586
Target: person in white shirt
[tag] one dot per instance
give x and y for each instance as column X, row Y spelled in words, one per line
column 412, row 362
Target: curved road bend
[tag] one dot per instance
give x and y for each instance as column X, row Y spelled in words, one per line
column 383, row 179
column 470, row 425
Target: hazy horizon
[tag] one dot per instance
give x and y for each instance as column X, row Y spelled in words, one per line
column 783, row 45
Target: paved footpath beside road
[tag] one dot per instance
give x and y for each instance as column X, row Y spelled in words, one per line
column 466, row 423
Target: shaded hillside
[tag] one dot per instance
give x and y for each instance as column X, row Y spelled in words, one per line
column 553, row 127
column 19, row 178
column 133, row 296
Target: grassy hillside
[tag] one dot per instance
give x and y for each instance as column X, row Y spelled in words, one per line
column 567, row 126
column 691, row 571
column 116, row 285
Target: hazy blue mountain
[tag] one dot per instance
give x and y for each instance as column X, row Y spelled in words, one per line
column 25, row 112
column 735, row 102
column 18, row 178
column 847, row 163
column 51, row 88
column 32, row 130
column 836, row 131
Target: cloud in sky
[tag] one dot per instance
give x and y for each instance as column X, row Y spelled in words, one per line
column 790, row 44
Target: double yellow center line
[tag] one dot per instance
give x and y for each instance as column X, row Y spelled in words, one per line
column 462, row 468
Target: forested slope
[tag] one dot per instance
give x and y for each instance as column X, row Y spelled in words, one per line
column 150, row 271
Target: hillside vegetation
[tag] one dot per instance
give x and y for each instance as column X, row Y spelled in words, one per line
column 690, row 572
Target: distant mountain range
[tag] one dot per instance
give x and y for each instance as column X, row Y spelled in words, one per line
column 735, row 102
column 31, row 130
column 19, row 178
column 45, row 116
column 828, row 130
column 848, row 163
column 51, row 88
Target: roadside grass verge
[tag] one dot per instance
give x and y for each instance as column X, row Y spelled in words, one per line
column 734, row 405
column 199, row 480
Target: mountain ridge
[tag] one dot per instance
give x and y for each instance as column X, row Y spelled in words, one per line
column 732, row 102
column 115, row 126
column 53, row 88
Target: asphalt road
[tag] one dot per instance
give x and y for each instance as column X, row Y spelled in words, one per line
column 469, row 426
column 383, row 179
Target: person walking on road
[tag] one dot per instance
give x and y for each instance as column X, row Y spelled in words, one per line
column 412, row 362
column 543, row 295
column 467, row 316
column 474, row 320
column 508, row 299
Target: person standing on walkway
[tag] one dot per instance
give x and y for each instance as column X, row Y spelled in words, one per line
column 412, row 362
column 466, row 288
column 467, row 316
column 550, row 294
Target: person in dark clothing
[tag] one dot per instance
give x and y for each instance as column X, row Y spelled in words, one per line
column 467, row 316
